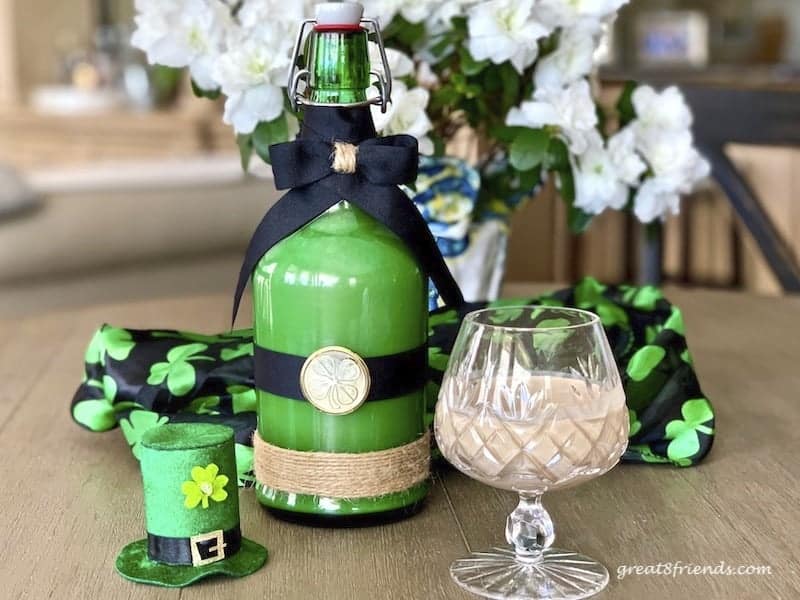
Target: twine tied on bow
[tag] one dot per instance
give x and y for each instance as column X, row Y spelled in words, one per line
column 344, row 157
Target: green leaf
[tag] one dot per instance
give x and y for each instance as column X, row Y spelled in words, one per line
column 437, row 359
column 441, row 318
column 530, row 180
column 158, row 373
column 137, row 423
column 675, row 321
column 408, row 34
column 589, row 292
column 95, row 351
column 238, row 352
column 557, row 155
column 686, row 357
column 205, row 405
column 683, row 447
column 445, row 96
column 267, row 133
column 529, row 148
column 183, row 352
column 201, row 93
column 625, row 108
column 109, row 388
column 511, row 85
column 505, row 133
column 566, row 186
column 647, row 454
column 470, row 66
column 118, row 342
column 578, row 220
column 181, row 378
column 644, row 361
column 459, row 24
column 610, row 314
column 165, row 82
column 684, row 433
column 244, row 463
column 245, row 144
column 550, row 341
column 635, row 424
column 646, row 297
column 243, row 398
column 697, row 411
column 97, row 415
column 441, row 46
column 507, row 315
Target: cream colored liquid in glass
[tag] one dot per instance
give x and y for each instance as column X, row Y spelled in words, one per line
column 532, row 435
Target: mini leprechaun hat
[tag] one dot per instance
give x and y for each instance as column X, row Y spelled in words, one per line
column 191, row 505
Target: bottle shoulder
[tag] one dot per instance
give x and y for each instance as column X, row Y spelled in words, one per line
column 343, row 239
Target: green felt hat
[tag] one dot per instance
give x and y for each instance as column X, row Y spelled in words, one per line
column 191, row 506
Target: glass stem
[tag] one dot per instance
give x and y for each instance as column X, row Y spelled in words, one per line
column 529, row 528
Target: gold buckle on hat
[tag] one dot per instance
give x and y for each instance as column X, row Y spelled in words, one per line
column 217, row 549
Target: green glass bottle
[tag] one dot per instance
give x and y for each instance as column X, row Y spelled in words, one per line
column 343, row 281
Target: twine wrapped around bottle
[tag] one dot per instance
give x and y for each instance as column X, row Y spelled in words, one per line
column 342, row 475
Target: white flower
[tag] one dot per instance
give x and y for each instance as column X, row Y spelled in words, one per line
column 656, row 112
column 443, row 12
column 627, row 162
column 257, row 12
column 413, row 11
column 676, row 166
column 416, row 11
column 656, row 198
column 571, row 110
column 597, row 182
column 502, row 30
column 400, row 64
column 663, row 137
column 426, row 77
column 252, row 74
column 673, row 157
column 566, row 13
column 573, row 59
column 183, row 33
column 406, row 114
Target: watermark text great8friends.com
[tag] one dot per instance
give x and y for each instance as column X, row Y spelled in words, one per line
column 681, row 569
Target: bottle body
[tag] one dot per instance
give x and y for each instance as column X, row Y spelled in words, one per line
column 342, row 280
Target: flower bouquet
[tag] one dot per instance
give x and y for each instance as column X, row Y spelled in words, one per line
column 518, row 74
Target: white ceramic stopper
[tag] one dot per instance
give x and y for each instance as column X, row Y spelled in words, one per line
column 339, row 13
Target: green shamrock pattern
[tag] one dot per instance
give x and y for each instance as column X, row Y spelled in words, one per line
column 136, row 424
column 140, row 379
column 109, row 341
column 178, row 370
column 685, row 433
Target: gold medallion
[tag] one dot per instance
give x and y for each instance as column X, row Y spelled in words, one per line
column 335, row 380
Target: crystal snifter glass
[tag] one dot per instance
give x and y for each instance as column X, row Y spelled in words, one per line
column 531, row 401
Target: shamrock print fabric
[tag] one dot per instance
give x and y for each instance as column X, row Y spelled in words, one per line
column 140, row 379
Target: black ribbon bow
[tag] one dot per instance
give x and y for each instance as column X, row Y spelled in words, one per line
column 305, row 168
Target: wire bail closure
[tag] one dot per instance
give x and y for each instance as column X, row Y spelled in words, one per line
column 384, row 80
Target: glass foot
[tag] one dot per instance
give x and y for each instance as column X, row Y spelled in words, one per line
column 556, row 575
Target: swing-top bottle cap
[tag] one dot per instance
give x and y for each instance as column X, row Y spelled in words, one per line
column 339, row 14
column 330, row 79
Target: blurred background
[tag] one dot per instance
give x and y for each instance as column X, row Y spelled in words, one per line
column 116, row 183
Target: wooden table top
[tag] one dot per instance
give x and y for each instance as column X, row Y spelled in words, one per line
column 71, row 499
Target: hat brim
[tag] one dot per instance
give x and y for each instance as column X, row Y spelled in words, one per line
column 134, row 563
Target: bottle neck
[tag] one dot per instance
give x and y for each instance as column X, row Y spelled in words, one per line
column 339, row 66
column 328, row 123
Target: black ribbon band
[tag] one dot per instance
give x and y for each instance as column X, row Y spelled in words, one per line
column 381, row 165
column 178, row 551
column 391, row 376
